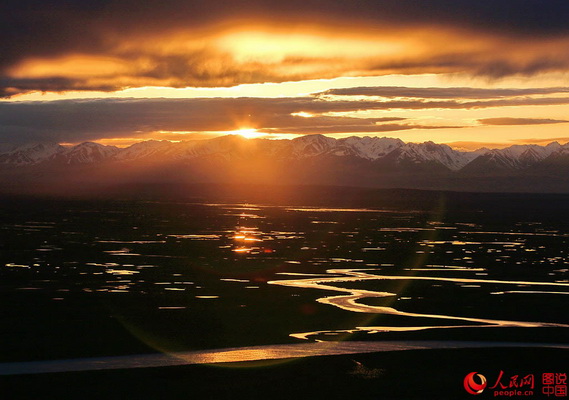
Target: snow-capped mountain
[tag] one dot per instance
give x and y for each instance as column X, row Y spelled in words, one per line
column 515, row 157
column 429, row 152
column 389, row 151
column 31, row 153
column 371, row 148
column 85, row 153
column 308, row 160
column 310, row 145
column 145, row 149
column 225, row 147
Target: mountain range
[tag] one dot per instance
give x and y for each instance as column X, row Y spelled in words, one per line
column 311, row 159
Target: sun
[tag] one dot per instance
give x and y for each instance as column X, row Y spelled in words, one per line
column 248, row 133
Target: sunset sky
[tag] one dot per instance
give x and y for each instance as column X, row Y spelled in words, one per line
column 469, row 73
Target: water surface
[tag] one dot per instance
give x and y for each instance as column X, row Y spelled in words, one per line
column 111, row 278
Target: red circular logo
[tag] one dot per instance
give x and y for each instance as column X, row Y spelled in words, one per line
column 473, row 387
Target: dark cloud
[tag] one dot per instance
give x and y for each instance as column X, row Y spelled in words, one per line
column 10, row 87
column 79, row 120
column 74, row 121
column 54, row 28
column 292, row 124
column 503, row 68
column 441, row 93
column 363, row 128
column 502, row 58
column 520, row 121
column 57, row 17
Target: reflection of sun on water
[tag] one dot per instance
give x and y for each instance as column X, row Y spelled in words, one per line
column 244, row 236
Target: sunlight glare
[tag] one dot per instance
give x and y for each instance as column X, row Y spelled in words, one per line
column 248, row 133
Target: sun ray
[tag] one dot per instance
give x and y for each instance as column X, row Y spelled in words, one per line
column 248, row 133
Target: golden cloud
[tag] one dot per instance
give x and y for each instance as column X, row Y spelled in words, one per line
column 257, row 53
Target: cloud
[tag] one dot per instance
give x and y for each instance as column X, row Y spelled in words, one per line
column 441, row 93
column 520, row 121
column 331, row 129
column 75, row 121
column 10, row 87
column 80, row 120
column 182, row 43
column 542, row 142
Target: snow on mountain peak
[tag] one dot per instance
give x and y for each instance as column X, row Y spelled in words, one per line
column 372, row 148
column 143, row 149
column 85, row 153
column 311, row 145
column 234, row 146
column 30, row 153
column 429, row 151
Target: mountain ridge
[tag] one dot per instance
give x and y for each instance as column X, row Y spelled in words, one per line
column 308, row 160
column 393, row 150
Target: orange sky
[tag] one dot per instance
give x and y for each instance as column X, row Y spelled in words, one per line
column 353, row 73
